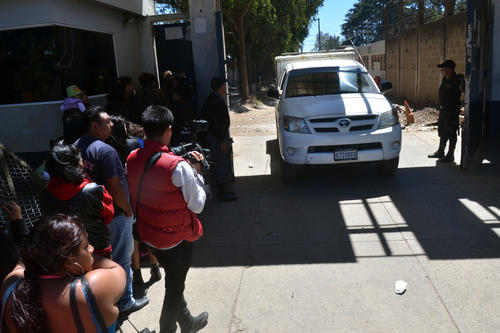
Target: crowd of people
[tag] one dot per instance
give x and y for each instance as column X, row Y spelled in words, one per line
column 113, row 183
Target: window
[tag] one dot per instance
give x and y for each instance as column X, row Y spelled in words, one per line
column 328, row 81
column 39, row 63
column 380, row 58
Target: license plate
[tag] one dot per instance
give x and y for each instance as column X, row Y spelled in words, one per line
column 345, row 155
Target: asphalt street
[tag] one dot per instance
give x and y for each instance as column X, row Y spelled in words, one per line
column 322, row 254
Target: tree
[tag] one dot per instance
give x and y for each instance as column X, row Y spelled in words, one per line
column 260, row 30
column 328, row 42
column 364, row 22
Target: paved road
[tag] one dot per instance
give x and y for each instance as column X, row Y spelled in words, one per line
column 322, row 254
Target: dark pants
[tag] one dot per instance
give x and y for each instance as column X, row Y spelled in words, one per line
column 176, row 263
column 221, row 159
column 447, row 128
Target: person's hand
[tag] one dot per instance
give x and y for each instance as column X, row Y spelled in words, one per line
column 198, row 157
column 12, row 211
column 129, row 212
column 223, row 147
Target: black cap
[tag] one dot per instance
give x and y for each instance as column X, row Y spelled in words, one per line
column 447, row 64
column 217, row 82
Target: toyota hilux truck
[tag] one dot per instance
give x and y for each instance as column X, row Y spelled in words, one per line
column 332, row 112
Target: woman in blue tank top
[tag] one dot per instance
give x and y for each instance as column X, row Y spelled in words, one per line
column 59, row 286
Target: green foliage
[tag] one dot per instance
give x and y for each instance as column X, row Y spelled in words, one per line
column 364, row 23
column 283, row 31
column 174, row 5
column 328, row 42
column 266, row 27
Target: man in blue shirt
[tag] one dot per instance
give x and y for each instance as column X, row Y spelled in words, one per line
column 103, row 165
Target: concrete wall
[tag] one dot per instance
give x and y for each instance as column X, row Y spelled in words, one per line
column 392, row 62
column 28, row 127
column 415, row 77
column 205, row 52
column 141, row 7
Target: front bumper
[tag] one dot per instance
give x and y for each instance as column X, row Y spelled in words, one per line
column 378, row 145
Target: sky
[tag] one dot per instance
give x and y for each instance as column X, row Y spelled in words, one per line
column 331, row 17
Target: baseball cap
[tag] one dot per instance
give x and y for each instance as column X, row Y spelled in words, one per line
column 73, row 91
column 217, row 82
column 447, row 64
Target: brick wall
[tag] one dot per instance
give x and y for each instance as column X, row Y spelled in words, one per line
column 420, row 78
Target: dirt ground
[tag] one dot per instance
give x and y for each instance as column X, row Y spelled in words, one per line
column 256, row 116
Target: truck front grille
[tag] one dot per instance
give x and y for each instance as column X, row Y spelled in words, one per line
column 360, row 123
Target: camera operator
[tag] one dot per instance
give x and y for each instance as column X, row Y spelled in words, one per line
column 167, row 193
column 216, row 113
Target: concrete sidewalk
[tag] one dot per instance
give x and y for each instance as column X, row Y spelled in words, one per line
column 322, row 254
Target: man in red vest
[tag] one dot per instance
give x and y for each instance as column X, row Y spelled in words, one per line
column 171, row 193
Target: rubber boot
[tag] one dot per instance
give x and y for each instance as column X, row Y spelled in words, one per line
column 440, row 152
column 155, row 273
column 137, row 277
column 190, row 324
column 450, row 156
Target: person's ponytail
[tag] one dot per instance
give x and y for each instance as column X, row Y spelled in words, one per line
column 45, row 251
column 26, row 305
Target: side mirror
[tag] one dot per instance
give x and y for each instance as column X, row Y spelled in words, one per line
column 273, row 92
column 385, row 86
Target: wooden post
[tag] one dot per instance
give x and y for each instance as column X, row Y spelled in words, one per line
column 386, row 21
column 421, row 6
column 400, row 69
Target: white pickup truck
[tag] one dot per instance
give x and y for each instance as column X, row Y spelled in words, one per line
column 332, row 111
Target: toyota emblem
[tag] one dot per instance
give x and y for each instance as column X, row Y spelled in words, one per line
column 344, row 122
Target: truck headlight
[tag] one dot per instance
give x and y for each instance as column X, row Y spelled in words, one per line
column 295, row 125
column 388, row 119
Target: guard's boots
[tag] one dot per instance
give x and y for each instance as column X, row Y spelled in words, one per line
column 190, row 324
column 450, row 156
column 440, row 152
column 137, row 277
column 155, row 273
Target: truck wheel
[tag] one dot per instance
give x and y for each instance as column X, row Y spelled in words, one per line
column 288, row 171
column 388, row 167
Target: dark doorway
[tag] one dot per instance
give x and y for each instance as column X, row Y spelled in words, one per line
column 175, row 53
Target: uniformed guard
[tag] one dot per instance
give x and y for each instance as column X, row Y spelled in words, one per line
column 449, row 109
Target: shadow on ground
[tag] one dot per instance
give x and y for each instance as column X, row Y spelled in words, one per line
column 338, row 214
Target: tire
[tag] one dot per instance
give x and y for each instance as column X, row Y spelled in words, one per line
column 388, row 167
column 288, row 171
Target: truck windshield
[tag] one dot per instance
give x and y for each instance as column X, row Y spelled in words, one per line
column 314, row 83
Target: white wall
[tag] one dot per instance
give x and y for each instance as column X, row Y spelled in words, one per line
column 28, row 127
column 369, row 51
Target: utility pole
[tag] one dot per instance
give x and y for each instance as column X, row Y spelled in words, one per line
column 319, row 36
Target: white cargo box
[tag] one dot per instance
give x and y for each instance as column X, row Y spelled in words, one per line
column 344, row 54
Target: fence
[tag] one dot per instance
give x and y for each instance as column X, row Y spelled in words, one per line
column 412, row 56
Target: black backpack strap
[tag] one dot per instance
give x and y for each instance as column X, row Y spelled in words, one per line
column 93, row 304
column 74, row 307
column 149, row 164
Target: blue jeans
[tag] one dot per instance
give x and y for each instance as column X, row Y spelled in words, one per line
column 122, row 241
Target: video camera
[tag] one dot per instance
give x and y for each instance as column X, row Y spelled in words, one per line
column 183, row 150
